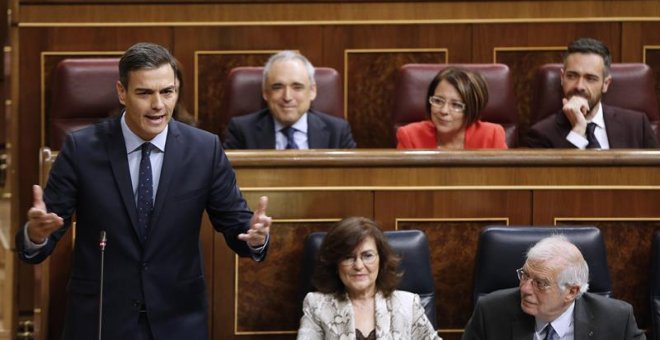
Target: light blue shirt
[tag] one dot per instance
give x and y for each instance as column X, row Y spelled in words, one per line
column 133, row 144
column 299, row 134
column 563, row 326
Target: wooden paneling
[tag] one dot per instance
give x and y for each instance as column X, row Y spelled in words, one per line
column 370, row 80
column 472, row 11
column 211, row 69
column 523, row 63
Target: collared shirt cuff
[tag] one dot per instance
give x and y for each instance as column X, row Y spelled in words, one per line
column 31, row 247
column 580, row 142
column 260, row 249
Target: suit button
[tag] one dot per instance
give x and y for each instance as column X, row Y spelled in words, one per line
column 145, row 265
column 137, row 304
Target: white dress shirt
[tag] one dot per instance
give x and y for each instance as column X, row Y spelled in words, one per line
column 581, row 142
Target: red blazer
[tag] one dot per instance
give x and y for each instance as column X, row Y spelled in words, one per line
column 479, row 135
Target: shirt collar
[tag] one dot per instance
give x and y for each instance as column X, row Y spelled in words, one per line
column 300, row 125
column 133, row 141
column 562, row 324
column 598, row 117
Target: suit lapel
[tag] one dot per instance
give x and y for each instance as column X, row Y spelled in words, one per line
column 317, row 132
column 614, row 128
column 265, row 131
column 119, row 163
column 345, row 308
column 383, row 317
column 174, row 153
column 522, row 328
column 582, row 321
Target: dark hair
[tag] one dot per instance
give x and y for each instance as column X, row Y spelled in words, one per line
column 340, row 242
column 590, row 46
column 144, row 56
column 470, row 86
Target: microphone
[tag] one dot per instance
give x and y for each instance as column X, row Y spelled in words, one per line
column 103, row 241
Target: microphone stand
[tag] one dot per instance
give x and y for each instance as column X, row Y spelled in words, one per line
column 102, row 242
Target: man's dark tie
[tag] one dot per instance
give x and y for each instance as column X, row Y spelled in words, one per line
column 550, row 333
column 145, row 195
column 290, row 142
column 591, row 137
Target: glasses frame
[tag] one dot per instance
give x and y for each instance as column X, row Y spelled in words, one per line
column 450, row 104
column 350, row 261
column 536, row 283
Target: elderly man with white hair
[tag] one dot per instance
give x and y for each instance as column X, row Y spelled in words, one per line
column 552, row 302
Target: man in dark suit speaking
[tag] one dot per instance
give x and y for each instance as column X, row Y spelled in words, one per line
column 145, row 180
column 584, row 122
column 551, row 302
column 288, row 123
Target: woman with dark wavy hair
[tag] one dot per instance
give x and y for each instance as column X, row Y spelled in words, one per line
column 356, row 278
column 454, row 101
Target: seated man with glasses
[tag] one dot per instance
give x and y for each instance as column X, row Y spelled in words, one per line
column 552, row 302
column 456, row 98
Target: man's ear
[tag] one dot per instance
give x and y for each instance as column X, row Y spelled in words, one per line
column 606, row 83
column 121, row 93
column 312, row 91
column 561, row 76
column 573, row 292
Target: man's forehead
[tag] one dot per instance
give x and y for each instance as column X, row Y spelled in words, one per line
column 288, row 72
column 152, row 77
column 584, row 61
column 541, row 268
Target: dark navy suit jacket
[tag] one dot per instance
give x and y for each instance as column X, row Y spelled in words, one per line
column 164, row 274
column 625, row 129
column 257, row 131
column 498, row 316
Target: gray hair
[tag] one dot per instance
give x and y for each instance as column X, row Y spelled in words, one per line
column 574, row 269
column 285, row 56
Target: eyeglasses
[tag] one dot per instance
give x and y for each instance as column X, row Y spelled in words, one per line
column 368, row 257
column 440, row 102
column 538, row 284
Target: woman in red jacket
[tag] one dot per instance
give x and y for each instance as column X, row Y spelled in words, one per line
column 455, row 100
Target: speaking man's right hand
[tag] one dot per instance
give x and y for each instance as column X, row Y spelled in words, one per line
column 41, row 223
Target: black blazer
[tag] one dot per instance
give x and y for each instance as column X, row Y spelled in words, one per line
column 90, row 178
column 625, row 129
column 498, row 316
column 257, row 131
